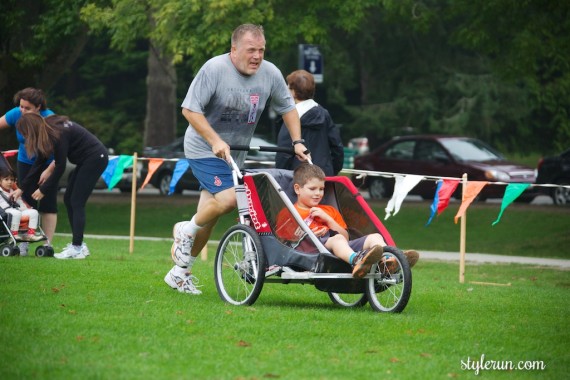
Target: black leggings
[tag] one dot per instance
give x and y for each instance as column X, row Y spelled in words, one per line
column 81, row 183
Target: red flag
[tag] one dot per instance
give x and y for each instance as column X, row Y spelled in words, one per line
column 471, row 191
column 153, row 164
column 445, row 189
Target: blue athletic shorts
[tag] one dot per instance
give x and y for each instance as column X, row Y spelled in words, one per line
column 214, row 174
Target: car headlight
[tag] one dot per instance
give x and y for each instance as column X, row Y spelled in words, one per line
column 496, row 175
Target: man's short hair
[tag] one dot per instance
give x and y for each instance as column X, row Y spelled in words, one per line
column 240, row 31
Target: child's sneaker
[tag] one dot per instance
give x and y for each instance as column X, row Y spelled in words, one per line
column 70, row 252
column 184, row 284
column 390, row 264
column 365, row 259
column 31, row 238
column 181, row 246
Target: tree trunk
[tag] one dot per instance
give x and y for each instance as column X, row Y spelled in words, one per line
column 160, row 120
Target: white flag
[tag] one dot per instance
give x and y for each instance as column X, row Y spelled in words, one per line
column 404, row 184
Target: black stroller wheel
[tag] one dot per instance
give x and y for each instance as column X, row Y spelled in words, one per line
column 44, row 251
column 239, row 268
column 8, row 250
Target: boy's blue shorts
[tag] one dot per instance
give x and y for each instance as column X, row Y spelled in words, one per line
column 214, row 174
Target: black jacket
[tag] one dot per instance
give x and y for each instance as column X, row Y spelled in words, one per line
column 322, row 138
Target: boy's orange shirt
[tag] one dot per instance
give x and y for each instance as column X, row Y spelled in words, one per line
column 315, row 224
column 288, row 229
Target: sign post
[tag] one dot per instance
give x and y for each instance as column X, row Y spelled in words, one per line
column 311, row 60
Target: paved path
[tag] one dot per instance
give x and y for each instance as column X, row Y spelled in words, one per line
column 487, row 258
column 424, row 255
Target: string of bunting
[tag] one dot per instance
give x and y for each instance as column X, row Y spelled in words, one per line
column 404, row 183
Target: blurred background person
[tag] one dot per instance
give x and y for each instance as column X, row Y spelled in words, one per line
column 321, row 135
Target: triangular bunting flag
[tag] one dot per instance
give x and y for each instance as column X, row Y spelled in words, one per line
column 443, row 193
column 179, row 170
column 471, row 191
column 512, row 192
column 108, row 173
column 402, row 187
column 123, row 163
column 153, row 165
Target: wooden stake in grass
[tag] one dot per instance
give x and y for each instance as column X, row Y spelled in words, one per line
column 133, row 204
column 462, row 236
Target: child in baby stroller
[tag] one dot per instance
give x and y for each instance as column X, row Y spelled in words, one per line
column 19, row 223
column 255, row 251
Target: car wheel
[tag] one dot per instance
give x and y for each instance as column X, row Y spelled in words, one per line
column 561, row 195
column 378, row 188
column 164, row 183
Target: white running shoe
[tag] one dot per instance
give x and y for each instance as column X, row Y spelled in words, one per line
column 70, row 252
column 181, row 246
column 85, row 250
column 184, row 284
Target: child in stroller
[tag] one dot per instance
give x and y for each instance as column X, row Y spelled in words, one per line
column 14, row 214
column 328, row 225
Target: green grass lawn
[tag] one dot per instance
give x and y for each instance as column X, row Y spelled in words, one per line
column 112, row 317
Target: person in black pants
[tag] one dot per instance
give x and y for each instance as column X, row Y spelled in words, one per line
column 64, row 139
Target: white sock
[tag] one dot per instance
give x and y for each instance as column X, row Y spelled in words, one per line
column 181, row 271
column 191, row 227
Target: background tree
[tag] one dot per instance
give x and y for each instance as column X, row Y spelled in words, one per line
column 39, row 41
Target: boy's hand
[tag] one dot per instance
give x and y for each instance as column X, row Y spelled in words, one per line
column 319, row 231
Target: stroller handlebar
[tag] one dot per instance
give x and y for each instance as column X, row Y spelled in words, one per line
column 263, row 148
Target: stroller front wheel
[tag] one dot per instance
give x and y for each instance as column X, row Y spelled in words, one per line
column 392, row 291
column 239, row 267
column 44, row 251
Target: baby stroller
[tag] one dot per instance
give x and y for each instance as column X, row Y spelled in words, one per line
column 8, row 242
column 260, row 249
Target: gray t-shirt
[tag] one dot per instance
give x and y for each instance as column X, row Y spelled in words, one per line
column 232, row 103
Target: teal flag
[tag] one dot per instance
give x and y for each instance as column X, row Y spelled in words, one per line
column 512, row 192
column 123, row 162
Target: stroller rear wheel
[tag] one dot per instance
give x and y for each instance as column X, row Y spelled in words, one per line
column 9, row 250
column 348, row 300
column 392, row 291
column 239, row 267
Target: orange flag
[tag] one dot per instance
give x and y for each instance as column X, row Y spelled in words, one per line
column 153, row 164
column 472, row 189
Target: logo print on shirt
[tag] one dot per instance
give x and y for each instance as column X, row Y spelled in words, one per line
column 253, row 106
column 217, row 181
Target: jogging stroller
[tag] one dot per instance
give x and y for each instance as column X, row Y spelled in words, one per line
column 258, row 250
column 8, row 242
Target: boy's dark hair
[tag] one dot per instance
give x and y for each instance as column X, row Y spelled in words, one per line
column 6, row 172
column 305, row 172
